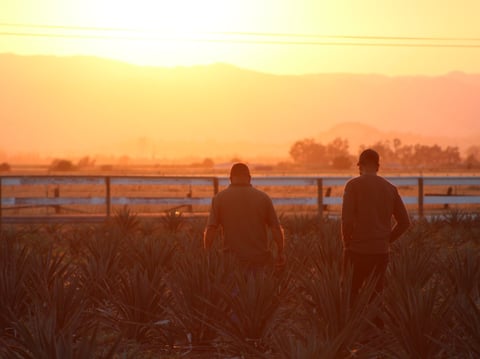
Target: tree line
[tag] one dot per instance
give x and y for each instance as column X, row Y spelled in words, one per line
column 394, row 155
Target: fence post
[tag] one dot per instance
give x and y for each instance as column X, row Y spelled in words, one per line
column 56, row 194
column 1, row 214
column 108, row 197
column 320, row 197
column 420, row 197
column 215, row 185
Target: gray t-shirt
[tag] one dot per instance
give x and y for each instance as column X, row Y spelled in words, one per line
column 244, row 213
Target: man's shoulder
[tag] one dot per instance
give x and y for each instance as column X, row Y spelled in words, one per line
column 354, row 181
column 243, row 190
column 259, row 193
column 365, row 180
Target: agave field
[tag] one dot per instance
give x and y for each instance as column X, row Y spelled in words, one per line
column 137, row 288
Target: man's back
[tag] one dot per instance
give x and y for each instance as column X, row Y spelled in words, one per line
column 244, row 214
column 369, row 203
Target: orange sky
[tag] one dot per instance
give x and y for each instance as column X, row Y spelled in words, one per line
column 172, row 33
column 409, row 37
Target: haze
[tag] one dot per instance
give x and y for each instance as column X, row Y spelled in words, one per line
column 172, row 79
column 87, row 106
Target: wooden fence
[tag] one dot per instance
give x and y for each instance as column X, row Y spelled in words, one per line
column 320, row 202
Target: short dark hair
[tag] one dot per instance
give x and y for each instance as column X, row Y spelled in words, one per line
column 369, row 156
column 239, row 170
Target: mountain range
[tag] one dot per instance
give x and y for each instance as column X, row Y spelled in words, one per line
column 60, row 106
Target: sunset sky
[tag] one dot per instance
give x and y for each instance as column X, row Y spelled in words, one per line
column 69, row 105
column 259, row 35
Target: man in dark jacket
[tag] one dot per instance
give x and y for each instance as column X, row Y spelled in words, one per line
column 369, row 203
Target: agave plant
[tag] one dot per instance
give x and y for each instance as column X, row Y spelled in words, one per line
column 101, row 264
column 467, row 312
column 300, row 224
column 47, row 268
column 173, row 221
column 462, row 269
column 15, row 267
column 417, row 317
column 38, row 338
column 457, row 218
column 196, row 284
column 313, row 344
column 125, row 220
column 255, row 311
column 58, row 323
column 152, row 253
column 136, row 303
column 410, row 264
column 330, row 311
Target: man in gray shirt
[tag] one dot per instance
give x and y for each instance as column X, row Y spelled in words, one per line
column 244, row 214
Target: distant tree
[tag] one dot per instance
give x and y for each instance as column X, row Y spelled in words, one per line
column 473, row 152
column 308, row 151
column 208, row 163
column 85, row 162
column 5, row 167
column 62, row 165
column 404, row 155
column 106, row 167
column 451, row 157
column 472, row 162
column 342, row 162
column 337, row 148
column 435, row 157
column 338, row 155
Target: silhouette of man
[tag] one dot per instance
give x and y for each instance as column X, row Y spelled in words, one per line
column 244, row 214
column 369, row 203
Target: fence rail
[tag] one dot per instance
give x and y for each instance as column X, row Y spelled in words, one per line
column 321, row 201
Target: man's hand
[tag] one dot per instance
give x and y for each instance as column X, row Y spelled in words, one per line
column 209, row 236
column 280, row 261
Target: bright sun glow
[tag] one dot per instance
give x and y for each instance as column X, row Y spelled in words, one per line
column 173, row 32
column 190, row 32
column 177, row 16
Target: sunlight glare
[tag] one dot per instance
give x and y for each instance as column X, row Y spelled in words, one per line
column 172, row 32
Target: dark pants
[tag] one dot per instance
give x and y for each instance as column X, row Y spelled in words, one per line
column 363, row 265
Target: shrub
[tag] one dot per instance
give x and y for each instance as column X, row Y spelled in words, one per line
column 62, row 165
column 5, row 167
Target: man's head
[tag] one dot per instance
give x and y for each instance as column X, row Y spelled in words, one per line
column 240, row 174
column 368, row 162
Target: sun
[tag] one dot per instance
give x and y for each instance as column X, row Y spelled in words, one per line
column 175, row 32
column 174, row 16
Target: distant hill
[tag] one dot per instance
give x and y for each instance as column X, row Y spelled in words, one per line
column 88, row 105
column 359, row 134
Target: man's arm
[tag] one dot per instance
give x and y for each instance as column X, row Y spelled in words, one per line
column 211, row 228
column 348, row 210
column 401, row 217
column 277, row 232
column 209, row 236
column 279, row 238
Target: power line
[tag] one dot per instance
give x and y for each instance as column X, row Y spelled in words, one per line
column 249, row 33
column 240, row 41
column 394, row 41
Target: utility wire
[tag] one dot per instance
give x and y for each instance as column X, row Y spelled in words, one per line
column 240, row 41
column 248, row 33
column 451, row 41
